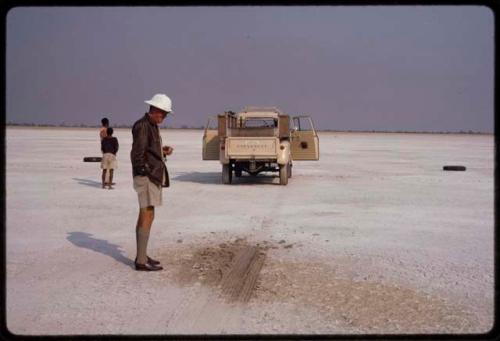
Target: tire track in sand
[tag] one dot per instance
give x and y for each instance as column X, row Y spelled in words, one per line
column 204, row 311
column 208, row 312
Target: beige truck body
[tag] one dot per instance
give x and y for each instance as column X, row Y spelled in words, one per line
column 272, row 146
column 251, row 148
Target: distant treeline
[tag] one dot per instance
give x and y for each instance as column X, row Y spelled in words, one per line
column 403, row 131
column 202, row 127
column 81, row 125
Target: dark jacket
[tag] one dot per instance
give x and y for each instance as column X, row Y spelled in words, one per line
column 146, row 154
column 109, row 145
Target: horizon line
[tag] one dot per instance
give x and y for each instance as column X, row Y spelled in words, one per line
column 186, row 127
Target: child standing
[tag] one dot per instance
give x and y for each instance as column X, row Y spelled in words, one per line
column 109, row 148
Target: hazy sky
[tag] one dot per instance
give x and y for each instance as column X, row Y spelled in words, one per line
column 351, row 68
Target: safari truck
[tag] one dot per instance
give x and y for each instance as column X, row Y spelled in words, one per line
column 259, row 139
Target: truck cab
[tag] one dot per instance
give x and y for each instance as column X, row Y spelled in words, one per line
column 259, row 139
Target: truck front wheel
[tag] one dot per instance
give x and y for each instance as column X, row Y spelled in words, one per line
column 283, row 174
column 227, row 173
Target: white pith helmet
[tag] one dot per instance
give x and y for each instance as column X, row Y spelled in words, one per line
column 161, row 101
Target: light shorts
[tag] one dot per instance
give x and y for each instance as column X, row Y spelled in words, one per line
column 149, row 193
column 109, row 161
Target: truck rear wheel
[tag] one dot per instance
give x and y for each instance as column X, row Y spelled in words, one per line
column 289, row 166
column 283, row 174
column 237, row 170
column 227, row 173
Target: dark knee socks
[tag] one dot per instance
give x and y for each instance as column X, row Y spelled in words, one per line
column 142, row 237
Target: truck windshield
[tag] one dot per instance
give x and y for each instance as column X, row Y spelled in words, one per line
column 260, row 123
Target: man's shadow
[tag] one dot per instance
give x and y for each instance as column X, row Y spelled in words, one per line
column 86, row 240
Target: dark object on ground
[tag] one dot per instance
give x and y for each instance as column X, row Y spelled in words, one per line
column 92, row 159
column 454, row 168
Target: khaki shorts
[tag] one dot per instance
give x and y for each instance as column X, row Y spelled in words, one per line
column 108, row 161
column 149, row 193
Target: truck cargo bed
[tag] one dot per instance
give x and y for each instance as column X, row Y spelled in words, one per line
column 252, row 148
column 252, row 132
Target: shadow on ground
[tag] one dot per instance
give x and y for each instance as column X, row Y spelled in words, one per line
column 87, row 241
column 216, row 178
column 88, row 182
column 200, row 177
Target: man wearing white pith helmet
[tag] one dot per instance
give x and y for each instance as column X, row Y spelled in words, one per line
column 150, row 173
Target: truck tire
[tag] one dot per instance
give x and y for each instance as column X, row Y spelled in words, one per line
column 92, row 159
column 237, row 171
column 289, row 170
column 227, row 173
column 454, row 168
column 283, row 175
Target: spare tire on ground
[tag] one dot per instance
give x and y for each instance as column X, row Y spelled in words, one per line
column 454, row 168
column 92, row 159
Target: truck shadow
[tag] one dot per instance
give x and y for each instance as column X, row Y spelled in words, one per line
column 200, row 177
column 87, row 241
column 216, row 178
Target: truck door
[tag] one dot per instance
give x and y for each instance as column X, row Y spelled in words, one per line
column 304, row 140
column 211, row 140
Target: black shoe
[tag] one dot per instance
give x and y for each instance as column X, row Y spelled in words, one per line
column 153, row 261
column 150, row 261
column 147, row 267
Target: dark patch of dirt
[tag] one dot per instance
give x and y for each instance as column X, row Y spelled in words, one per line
column 242, row 271
column 367, row 306
column 211, row 265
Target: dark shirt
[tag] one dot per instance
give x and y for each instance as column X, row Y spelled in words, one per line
column 109, row 145
column 146, row 154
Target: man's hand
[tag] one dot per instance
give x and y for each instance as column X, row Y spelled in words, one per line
column 167, row 150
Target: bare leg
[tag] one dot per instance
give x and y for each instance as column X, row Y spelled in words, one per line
column 145, row 218
column 103, row 178
column 110, row 178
